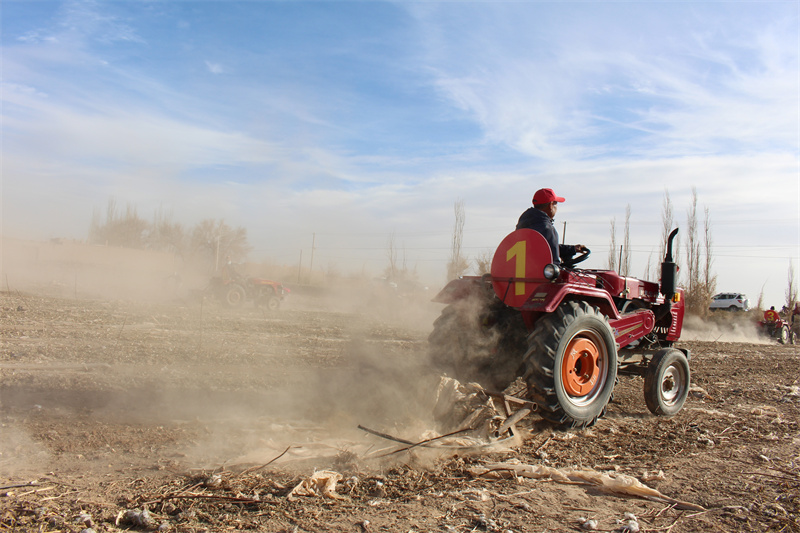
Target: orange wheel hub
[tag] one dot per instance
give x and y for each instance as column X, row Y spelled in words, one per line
column 580, row 369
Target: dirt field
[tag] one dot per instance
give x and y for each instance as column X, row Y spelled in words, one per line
column 207, row 418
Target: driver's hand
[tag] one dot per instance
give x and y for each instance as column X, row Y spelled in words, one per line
column 579, row 248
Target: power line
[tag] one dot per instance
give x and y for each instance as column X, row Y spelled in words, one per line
column 570, row 222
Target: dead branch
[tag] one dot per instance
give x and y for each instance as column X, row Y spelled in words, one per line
column 35, row 491
column 20, row 485
column 238, row 499
column 60, row 495
column 384, row 435
column 257, row 468
column 783, row 478
column 752, row 463
column 428, row 441
column 667, row 508
column 668, row 528
column 190, row 487
column 545, row 443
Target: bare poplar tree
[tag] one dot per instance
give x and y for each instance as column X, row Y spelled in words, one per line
column 760, row 301
column 166, row 235
column 213, row 241
column 96, row 235
column 667, row 225
column 648, row 265
column 483, row 263
column 612, row 249
column 126, row 230
column 694, row 297
column 701, row 283
column 709, row 279
column 458, row 263
column 391, row 254
column 111, row 209
column 625, row 260
column 791, row 289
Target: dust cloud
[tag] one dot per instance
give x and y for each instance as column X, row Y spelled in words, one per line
column 724, row 326
column 116, row 336
column 19, row 452
column 72, row 269
column 376, row 376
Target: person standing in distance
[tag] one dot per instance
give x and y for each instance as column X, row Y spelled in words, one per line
column 540, row 218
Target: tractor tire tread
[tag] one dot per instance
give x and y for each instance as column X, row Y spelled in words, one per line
column 540, row 360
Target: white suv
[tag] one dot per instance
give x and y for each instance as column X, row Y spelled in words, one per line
column 732, row 301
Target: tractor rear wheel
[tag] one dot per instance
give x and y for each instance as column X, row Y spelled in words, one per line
column 273, row 303
column 473, row 340
column 234, row 295
column 666, row 382
column 571, row 365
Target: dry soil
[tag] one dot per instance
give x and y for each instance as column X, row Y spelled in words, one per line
column 208, row 417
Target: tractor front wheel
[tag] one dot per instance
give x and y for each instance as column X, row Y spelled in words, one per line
column 273, row 303
column 235, row 295
column 571, row 365
column 666, row 382
column 783, row 335
column 268, row 299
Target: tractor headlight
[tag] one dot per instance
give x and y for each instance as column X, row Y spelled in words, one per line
column 551, row 272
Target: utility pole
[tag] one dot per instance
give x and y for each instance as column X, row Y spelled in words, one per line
column 311, row 265
column 300, row 266
column 216, row 255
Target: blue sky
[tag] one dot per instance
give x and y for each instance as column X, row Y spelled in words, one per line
column 353, row 121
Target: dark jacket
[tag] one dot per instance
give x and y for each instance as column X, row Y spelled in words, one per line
column 537, row 220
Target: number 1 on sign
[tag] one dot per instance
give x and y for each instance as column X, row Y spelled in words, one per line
column 518, row 251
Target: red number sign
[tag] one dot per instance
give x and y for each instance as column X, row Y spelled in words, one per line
column 518, row 265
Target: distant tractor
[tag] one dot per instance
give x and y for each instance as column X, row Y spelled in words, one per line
column 566, row 331
column 233, row 289
column 779, row 329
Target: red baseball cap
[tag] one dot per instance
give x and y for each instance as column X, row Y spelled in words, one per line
column 545, row 196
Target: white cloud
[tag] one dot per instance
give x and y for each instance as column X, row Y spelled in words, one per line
column 87, row 19
column 608, row 110
column 617, row 88
column 214, row 68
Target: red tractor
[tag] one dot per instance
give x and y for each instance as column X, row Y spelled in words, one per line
column 779, row 329
column 232, row 289
column 567, row 332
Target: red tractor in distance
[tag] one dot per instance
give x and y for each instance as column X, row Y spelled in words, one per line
column 566, row 331
column 778, row 329
column 233, row 289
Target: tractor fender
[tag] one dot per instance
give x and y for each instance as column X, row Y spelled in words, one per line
column 548, row 296
column 460, row 289
column 627, row 329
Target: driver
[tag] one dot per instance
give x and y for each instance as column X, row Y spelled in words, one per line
column 540, row 218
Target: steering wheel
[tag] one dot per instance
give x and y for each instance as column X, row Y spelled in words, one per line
column 580, row 258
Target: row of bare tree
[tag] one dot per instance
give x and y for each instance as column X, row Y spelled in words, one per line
column 696, row 276
column 208, row 243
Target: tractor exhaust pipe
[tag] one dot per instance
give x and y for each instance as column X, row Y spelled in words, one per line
column 669, row 270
